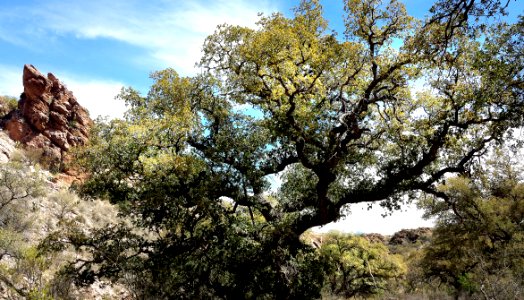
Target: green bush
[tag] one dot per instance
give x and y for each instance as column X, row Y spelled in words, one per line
column 358, row 267
column 7, row 104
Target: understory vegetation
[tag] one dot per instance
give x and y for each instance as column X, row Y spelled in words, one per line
column 475, row 250
column 340, row 119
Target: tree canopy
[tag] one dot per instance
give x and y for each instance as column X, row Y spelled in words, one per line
column 343, row 118
column 477, row 242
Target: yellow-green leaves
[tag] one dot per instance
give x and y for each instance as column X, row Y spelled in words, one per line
column 376, row 22
column 479, row 232
column 170, row 93
column 280, row 68
column 359, row 267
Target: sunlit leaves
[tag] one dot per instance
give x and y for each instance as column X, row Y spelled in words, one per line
column 376, row 21
column 359, row 267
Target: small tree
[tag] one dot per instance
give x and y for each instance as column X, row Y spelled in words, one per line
column 21, row 265
column 477, row 245
column 19, row 185
column 7, row 104
column 358, row 267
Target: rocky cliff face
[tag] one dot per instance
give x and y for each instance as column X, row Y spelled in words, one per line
column 48, row 117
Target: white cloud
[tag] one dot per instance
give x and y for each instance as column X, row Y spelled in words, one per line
column 10, row 81
column 97, row 96
column 362, row 220
column 172, row 32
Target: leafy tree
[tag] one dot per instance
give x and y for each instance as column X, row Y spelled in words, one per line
column 19, row 184
column 21, row 266
column 359, row 267
column 478, row 241
column 191, row 162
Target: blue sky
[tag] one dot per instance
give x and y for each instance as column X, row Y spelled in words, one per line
column 96, row 47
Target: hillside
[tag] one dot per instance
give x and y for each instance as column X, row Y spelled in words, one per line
column 35, row 200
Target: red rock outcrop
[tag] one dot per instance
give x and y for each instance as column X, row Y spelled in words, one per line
column 48, row 117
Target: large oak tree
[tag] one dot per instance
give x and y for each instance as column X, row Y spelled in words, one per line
column 386, row 109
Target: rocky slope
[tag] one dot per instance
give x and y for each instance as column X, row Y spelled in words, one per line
column 7, row 147
column 34, row 202
column 33, row 206
column 48, row 117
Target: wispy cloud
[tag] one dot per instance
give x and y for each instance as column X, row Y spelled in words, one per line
column 362, row 220
column 172, row 32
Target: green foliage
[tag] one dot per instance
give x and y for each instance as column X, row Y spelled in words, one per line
column 190, row 164
column 40, row 295
column 477, row 246
column 19, row 184
column 358, row 267
column 7, row 104
column 21, row 264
